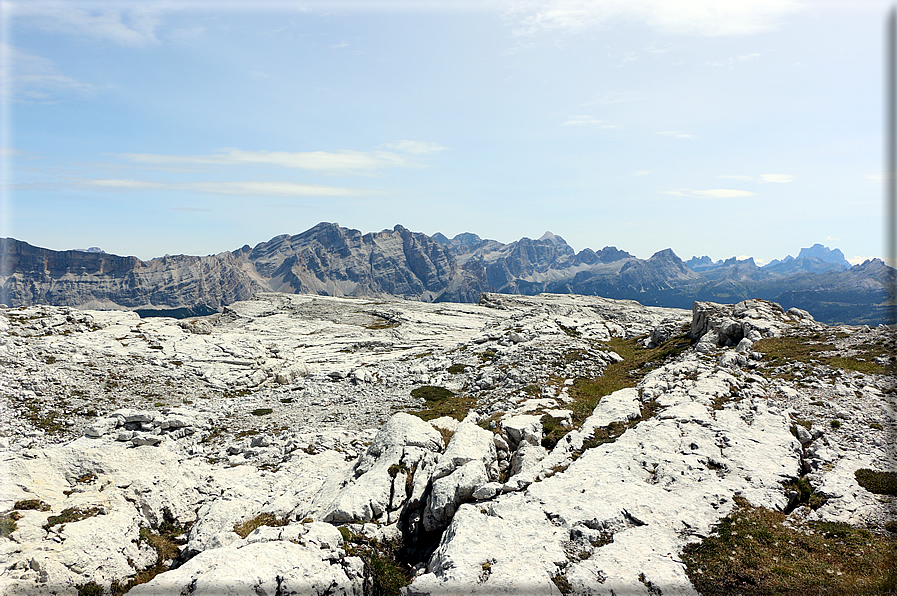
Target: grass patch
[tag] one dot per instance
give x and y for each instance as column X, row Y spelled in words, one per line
column 71, row 515
column 263, row 519
column 166, row 543
column 385, row 574
column 432, row 393
column 752, row 552
column 8, row 523
column 637, row 362
column 563, row 584
column 806, row 494
column 610, row 433
column 89, row 589
column 880, row 483
column 31, row 505
column 781, row 350
column 456, row 369
column 439, row 402
column 262, row 411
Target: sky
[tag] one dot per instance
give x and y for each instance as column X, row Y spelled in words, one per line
column 712, row 127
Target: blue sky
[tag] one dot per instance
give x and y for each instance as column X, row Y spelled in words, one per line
column 717, row 127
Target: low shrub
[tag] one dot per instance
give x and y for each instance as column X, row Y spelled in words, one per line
column 263, row 519
column 880, row 483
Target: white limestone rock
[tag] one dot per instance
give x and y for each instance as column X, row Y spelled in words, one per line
column 269, row 567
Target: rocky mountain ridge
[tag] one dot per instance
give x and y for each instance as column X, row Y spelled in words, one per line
column 331, row 260
column 300, row 444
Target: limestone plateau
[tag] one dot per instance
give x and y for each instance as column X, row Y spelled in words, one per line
column 335, row 261
column 559, row 444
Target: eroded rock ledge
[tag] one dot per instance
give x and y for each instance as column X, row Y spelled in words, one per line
column 254, row 450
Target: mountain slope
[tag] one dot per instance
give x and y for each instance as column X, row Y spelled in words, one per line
column 335, row 261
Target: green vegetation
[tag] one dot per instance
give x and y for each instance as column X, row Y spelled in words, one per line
column 783, row 350
column 439, row 401
column 637, row 362
column 8, row 523
column 166, row 543
column 262, row 411
column 385, row 575
column 431, row 393
column 807, row 495
column 31, row 505
column 560, row 580
column 876, row 426
column 880, row 483
column 263, row 519
column 456, row 369
column 752, row 553
column 90, row 589
column 71, row 515
column 611, row 433
column 835, row 424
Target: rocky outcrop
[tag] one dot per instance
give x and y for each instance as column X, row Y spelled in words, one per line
column 266, row 483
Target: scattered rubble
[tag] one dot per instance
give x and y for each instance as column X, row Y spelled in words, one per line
column 272, row 447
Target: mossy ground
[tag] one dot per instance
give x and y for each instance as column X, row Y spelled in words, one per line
column 820, row 349
column 587, row 393
column 752, row 552
column 439, row 402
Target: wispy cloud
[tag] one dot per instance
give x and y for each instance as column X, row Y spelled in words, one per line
column 684, row 17
column 713, row 193
column 737, row 177
column 585, row 120
column 246, row 188
column 28, row 77
column 678, row 134
column 135, row 26
column 415, row 147
column 345, row 162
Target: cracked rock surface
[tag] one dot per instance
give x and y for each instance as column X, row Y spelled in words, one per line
column 248, row 449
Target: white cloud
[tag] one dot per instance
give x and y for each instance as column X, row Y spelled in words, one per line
column 713, row 193
column 678, row 134
column 684, row 17
column 107, row 21
column 267, row 188
column 832, row 239
column 34, row 78
column 737, row 177
column 779, row 178
column 415, row 147
column 858, row 260
column 586, row 120
column 346, row 162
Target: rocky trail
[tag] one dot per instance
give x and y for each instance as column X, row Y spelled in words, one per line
column 554, row 444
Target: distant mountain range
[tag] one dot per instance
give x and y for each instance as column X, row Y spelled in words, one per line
column 331, row 260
